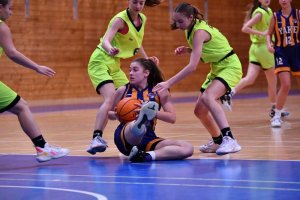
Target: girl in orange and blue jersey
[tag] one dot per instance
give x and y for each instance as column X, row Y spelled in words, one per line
column 286, row 48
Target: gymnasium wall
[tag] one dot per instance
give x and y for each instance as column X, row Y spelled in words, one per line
column 50, row 36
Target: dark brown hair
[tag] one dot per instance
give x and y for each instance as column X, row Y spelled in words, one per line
column 152, row 3
column 255, row 4
column 155, row 75
column 187, row 10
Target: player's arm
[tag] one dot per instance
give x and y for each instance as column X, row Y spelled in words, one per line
column 118, row 24
column 168, row 114
column 117, row 97
column 143, row 53
column 247, row 27
column 269, row 36
column 200, row 36
column 16, row 56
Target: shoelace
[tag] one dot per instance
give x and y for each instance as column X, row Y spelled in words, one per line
column 100, row 139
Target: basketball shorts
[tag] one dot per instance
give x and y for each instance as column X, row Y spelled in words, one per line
column 229, row 70
column 288, row 59
column 260, row 55
column 148, row 143
column 8, row 98
column 103, row 68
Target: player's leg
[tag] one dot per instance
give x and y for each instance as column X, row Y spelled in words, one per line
column 163, row 150
column 202, row 113
column 98, row 144
column 45, row 152
column 252, row 73
column 285, row 85
column 136, row 129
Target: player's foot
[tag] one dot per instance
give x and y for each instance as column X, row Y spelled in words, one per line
column 229, row 145
column 226, row 101
column 50, row 152
column 210, row 147
column 136, row 155
column 146, row 114
column 98, row 144
column 284, row 113
column 276, row 122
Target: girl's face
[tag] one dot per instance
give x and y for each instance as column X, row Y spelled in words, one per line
column 285, row 3
column 138, row 74
column 265, row 3
column 5, row 11
column 182, row 22
column 136, row 5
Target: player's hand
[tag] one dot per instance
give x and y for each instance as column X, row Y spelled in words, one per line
column 113, row 51
column 160, row 87
column 182, row 50
column 271, row 48
column 154, row 59
column 47, row 71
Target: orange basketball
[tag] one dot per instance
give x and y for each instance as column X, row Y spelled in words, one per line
column 126, row 109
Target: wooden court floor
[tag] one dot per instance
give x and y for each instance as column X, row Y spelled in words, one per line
column 69, row 123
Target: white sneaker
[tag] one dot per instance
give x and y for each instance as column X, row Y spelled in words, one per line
column 98, row 144
column 146, row 114
column 284, row 113
column 228, row 145
column 226, row 101
column 50, row 152
column 276, row 122
column 210, row 147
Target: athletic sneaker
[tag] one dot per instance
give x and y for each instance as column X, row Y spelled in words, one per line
column 50, row 152
column 146, row 114
column 228, row 145
column 284, row 113
column 98, row 144
column 136, row 155
column 226, row 101
column 276, row 122
column 210, row 147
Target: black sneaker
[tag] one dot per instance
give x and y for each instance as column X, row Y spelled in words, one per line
column 226, row 101
column 136, row 155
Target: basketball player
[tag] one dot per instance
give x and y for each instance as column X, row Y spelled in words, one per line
column 285, row 26
column 207, row 43
column 123, row 39
column 10, row 101
column 137, row 139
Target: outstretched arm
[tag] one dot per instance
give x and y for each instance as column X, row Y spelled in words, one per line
column 16, row 56
column 200, row 37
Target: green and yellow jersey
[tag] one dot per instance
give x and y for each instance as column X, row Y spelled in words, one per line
column 213, row 50
column 128, row 43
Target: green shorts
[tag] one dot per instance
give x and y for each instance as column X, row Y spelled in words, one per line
column 103, row 69
column 8, row 98
column 259, row 55
column 228, row 70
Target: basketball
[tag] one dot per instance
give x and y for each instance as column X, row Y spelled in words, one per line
column 126, row 109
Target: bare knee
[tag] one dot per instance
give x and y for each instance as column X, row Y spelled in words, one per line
column 187, row 150
column 20, row 107
column 200, row 111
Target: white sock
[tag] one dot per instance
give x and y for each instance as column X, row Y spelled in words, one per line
column 152, row 154
column 278, row 113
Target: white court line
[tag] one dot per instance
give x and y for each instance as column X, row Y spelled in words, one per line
column 154, row 177
column 163, row 184
column 97, row 196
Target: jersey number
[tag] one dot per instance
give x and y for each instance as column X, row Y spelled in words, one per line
column 279, row 61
